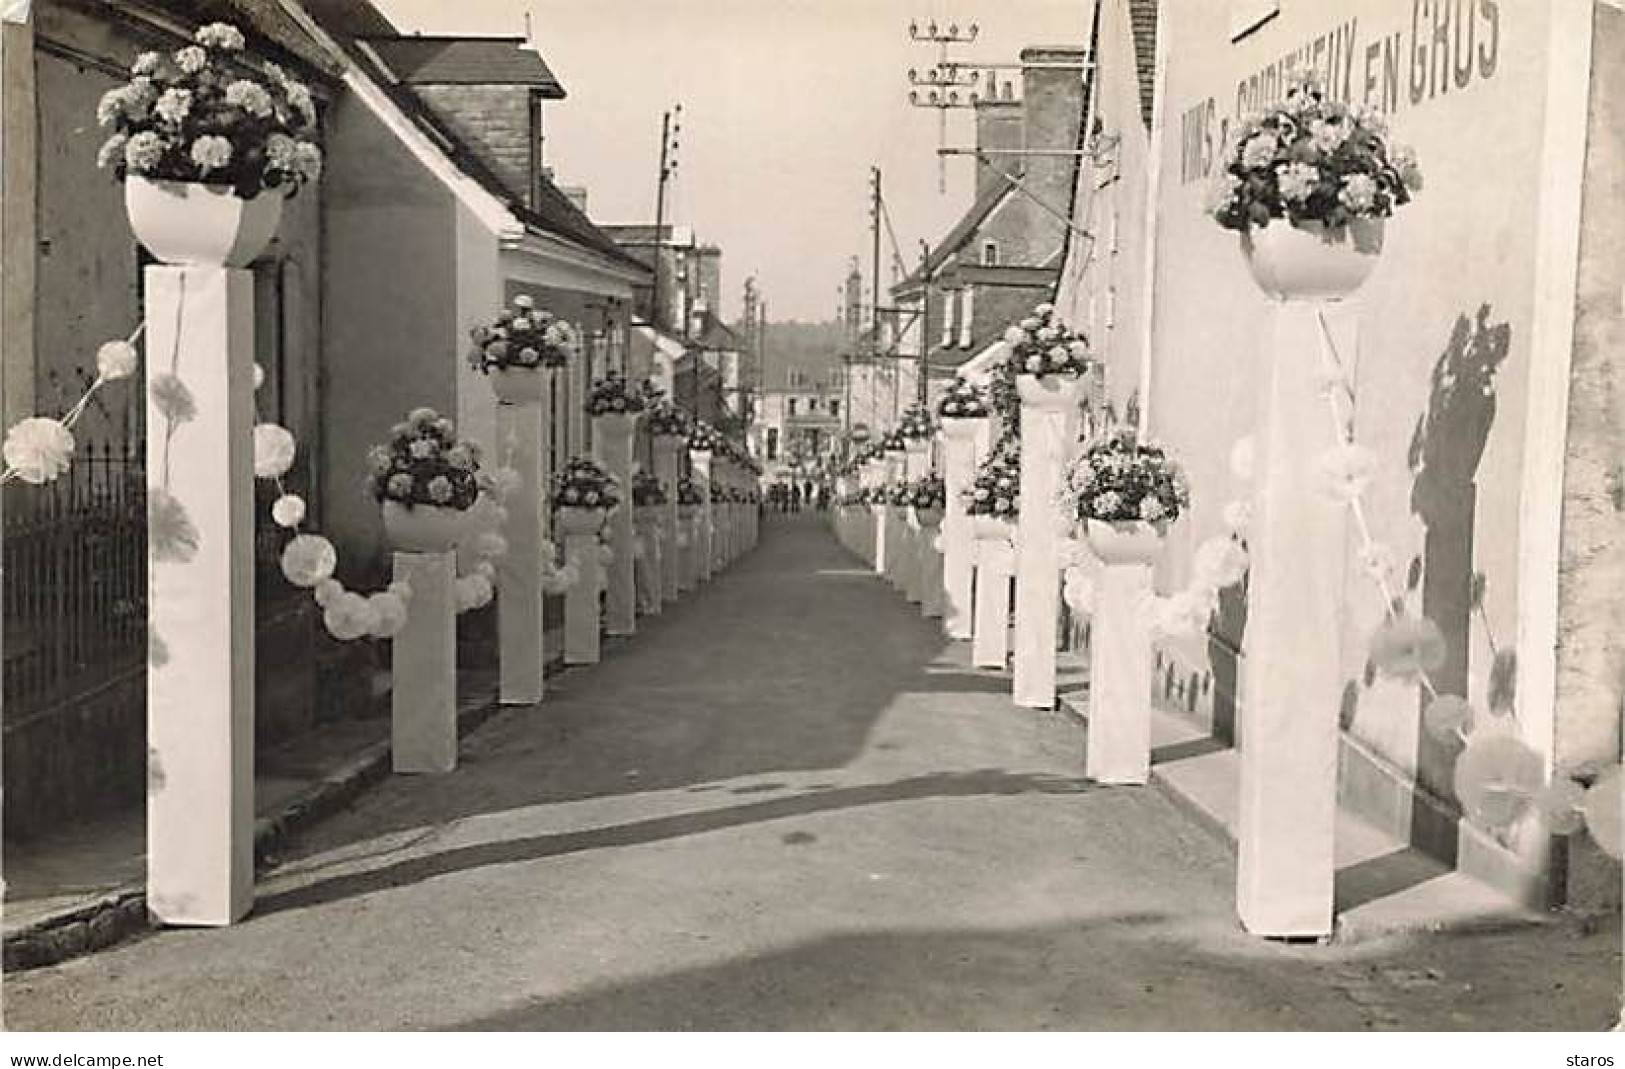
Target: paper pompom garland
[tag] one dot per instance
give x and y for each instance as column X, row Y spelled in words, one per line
column 39, row 449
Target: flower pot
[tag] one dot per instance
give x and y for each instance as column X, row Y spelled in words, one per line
column 423, row 528
column 1311, row 261
column 207, row 226
column 1060, row 392
column 1124, row 541
column 991, row 528
column 617, row 421
column 927, row 517
column 963, row 426
column 574, row 520
column 520, row 385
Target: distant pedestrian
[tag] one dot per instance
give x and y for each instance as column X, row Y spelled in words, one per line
column 795, row 497
column 823, row 498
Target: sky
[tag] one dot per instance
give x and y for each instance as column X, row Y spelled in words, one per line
column 786, row 105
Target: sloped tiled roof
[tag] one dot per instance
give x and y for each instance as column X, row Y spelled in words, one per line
column 1143, row 17
column 553, row 212
column 961, row 232
column 422, row 60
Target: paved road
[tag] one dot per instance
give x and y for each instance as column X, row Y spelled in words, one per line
column 785, row 804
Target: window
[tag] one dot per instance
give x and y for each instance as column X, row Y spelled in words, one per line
column 772, row 443
column 834, row 406
column 990, row 254
column 792, row 406
column 812, row 404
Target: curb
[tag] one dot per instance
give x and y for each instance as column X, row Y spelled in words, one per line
column 122, row 913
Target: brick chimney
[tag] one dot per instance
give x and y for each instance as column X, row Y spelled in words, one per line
column 1052, row 100
column 998, row 126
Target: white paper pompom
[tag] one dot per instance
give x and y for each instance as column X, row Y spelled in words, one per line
column 273, row 451
column 326, row 590
column 308, row 559
column 401, row 589
column 390, row 614
column 348, row 616
column 259, row 375
column 288, row 510
column 1079, row 591
column 1219, row 563
column 487, row 569
column 1347, row 470
column 116, row 360
column 1238, row 516
column 490, row 544
column 38, row 449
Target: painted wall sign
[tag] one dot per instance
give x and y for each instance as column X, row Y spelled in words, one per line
column 1447, row 47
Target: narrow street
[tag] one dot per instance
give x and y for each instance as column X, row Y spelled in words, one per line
column 786, row 805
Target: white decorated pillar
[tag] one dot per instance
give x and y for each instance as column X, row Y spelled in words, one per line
column 200, row 594
column 700, row 460
column 916, row 465
column 522, row 443
column 612, row 447
column 1119, row 738
column 965, row 442
column 423, row 662
column 579, row 528
column 895, row 521
column 650, row 562
column 1049, row 407
column 928, row 522
column 995, row 562
column 1297, row 542
column 667, row 470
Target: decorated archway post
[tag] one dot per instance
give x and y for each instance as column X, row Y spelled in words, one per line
column 200, row 594
column 522, row 439
column 964, row 442
column 666, row 449
column 612, row 447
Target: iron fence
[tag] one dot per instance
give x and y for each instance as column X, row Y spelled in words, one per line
column 74, row 580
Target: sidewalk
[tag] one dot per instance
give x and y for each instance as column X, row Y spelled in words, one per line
column 787, row 804
column 83, row 888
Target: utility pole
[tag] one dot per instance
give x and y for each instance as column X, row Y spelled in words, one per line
column 925, row 321
column 874, row 228
column 671, row 124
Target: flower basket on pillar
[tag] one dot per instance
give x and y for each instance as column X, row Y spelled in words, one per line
column 193, row 223
column 1308, row 186
column 208, row 142
column 1310, row 260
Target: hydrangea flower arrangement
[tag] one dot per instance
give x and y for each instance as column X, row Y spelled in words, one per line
column 688, row 491
column 703, row 437
column 996, row 489
column 892, row 441
column 523, row 336
column 1120, row 479
column 204, row 114
column 665, row 418
column 425, row 464
column 928, row 492
column 646, row 490
column 584, row 483
column 900, row 493
column 1042, row 345
column 612, row 396
column 1311, row 160
column 962, row 400
column 916, row 424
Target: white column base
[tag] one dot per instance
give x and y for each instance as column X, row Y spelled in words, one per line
column 995, row 564
column 423, row 723
column 1119, row 738
column 581, row 609
column 200, row 611
column 521, row 432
